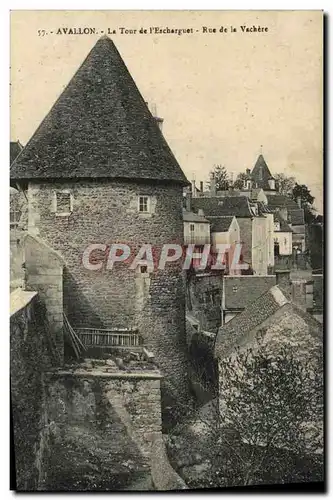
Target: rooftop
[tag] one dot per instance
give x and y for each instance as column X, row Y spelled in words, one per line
column 193, row 217
column 223, row 206
column 15, row 149
column 240, row 291
column 237, row 331
column 281, row 201
column 99, row 127
column 221, row 224
column 261, row 174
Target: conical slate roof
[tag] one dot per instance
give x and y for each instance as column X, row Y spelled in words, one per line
column 261, row 173
column 100, row 127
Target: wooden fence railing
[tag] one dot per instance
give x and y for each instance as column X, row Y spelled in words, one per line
column 108, row 338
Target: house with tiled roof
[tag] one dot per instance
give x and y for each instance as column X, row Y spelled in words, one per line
column 274, row 325
column 293, row 215
column 240, row 291
column 197, row 233
column 277, row 310
column 256, row 227
column 98, row 171
column 225, row 232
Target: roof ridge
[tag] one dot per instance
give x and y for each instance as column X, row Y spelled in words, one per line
column 99, row 127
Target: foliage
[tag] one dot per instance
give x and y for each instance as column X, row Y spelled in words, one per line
column 239, row 182
column 287, row 388
column 267, row 426
column 221, row 178
column 284, row 184
column 302, row 191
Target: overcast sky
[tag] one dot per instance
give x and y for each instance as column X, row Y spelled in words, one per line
column 222, row 95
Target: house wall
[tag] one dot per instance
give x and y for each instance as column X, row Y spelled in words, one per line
column 298, row 236
column 44, row 274
column 201, row 233
column 230, row 237
column 261, row 197
column 285, row 241
column 245, row 228
column 260, row 241
column 106, row 213
column 270, row 245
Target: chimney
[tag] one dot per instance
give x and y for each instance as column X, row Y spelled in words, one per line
column 201, row 186
column 212, row 184
column 201, row 212
column 194, row 194
column 248, row 171
column 284, row 213
column 188, row 201
column 299, row 202
column 283, row 280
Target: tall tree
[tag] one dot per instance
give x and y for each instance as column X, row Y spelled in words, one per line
column 285, row 184
column 221, row 178
column 302, row 192
column 239, row 182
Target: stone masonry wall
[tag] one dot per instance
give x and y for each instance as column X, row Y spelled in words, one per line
column 106, row 213
column 44, row 273
column 102, row 431
column 29, row 356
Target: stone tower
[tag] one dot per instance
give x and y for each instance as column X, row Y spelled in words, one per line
column 99, row 171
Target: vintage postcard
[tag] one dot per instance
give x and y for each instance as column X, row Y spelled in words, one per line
column 166, row 242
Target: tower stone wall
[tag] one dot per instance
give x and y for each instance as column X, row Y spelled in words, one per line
column 106, row 212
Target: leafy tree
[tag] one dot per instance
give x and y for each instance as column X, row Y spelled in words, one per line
column 302, row 191
column 221, row 178
column 239, row 182
column 267, row 426
column 284, row 184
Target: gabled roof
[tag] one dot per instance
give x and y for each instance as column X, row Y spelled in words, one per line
column 297, row 217
column 240, row 291
column 217, row 207
column 263, row 209
column 221, row 224
column 100, row 127
column 15, row 149
column 192, row 217
column 237, row 331
column 255, row 193
column 261, row 173
column 281, row 201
